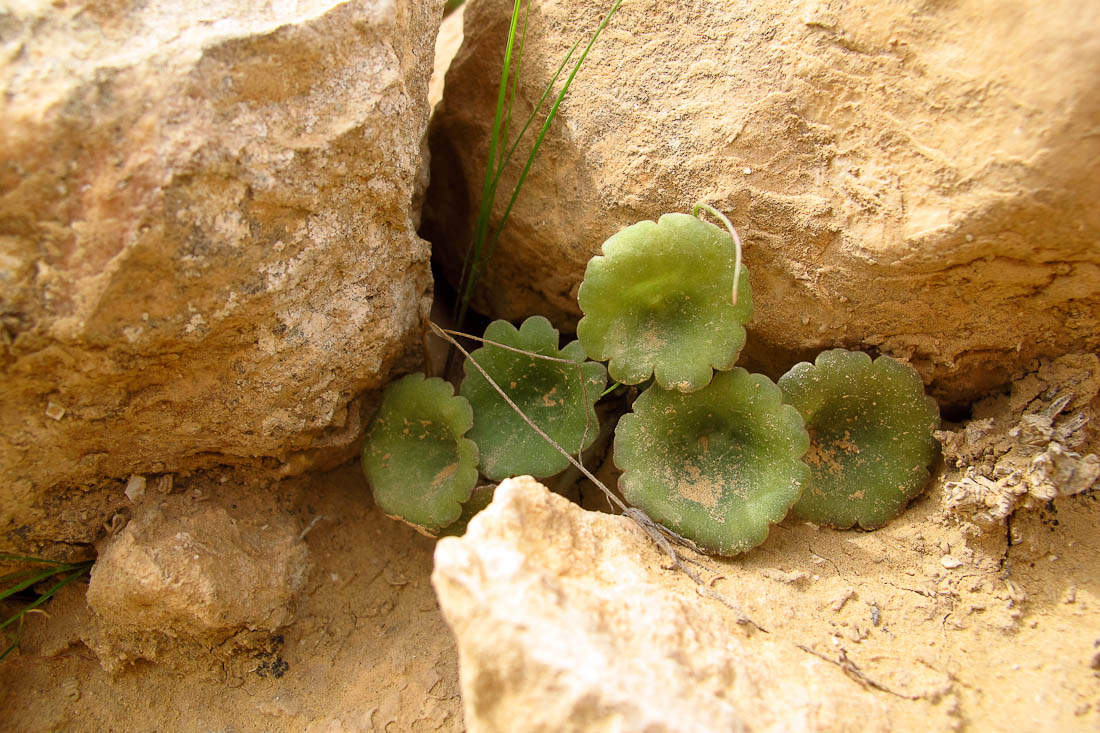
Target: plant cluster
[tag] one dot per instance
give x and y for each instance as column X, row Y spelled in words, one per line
column 711, row 452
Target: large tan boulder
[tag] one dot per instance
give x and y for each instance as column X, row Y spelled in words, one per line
column 565, row 622
column 915, row 178
column 207, row 245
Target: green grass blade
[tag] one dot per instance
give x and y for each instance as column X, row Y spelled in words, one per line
column 488, row 186
column 531, row 118
column 44, row 575
column 471, row 268
column 53, row 589
column 545, row 128
column 31, row 559
column 475, row 259
column 14, row 577
column 515, row 85
column 611, row 389
column 15, row 644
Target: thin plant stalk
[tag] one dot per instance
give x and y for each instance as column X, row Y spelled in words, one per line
column 542, row 434
column 736, row 242
column 668, row 541
column 506, row 347
column 663, row 536
column 444, row 332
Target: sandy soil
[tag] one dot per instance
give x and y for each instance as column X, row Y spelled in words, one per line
column 369, row 650
column 958, row 625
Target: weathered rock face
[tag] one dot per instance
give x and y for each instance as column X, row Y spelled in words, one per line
column 207, row 247
column 447, row 44
column 199, row 571
column 915, row 178
column 564, row 624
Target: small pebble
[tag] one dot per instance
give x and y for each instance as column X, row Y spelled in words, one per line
column 950, row 562
column 135, row 487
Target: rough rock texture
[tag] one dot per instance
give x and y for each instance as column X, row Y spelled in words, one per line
column 207, row 247
column 918, row 178
column 563, row 624
column 368, row 649
column 199, row 570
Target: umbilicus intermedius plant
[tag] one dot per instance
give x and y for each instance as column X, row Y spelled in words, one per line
column 709, row 451
column 719, row 465
column 559, row 394
column 661, row 302
column 416, row 459
column 871, row 438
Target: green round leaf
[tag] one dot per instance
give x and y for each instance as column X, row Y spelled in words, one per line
column 871, row 437
column 559, row 398
column 480, row 499
column 658, row 302
column 418, row 464
column 719, row 465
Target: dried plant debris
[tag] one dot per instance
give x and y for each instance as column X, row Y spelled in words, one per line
column 1029, row 446
column 559, row 393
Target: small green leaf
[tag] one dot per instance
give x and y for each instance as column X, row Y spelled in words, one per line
column 558, row 396
column 479, row 500
column 871, row 437
column 416, row 459
column 719, row 465
column 657, row 302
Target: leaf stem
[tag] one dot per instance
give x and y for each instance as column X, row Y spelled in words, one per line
column 506, row 347
column 736, row 242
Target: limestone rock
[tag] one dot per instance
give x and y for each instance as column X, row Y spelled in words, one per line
column 194, row 571
column 567, row 621
column 207, row 247
column 447, row 44
column 914, row 178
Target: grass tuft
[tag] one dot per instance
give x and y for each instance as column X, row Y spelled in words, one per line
column 484, row 242
column 38, row 570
